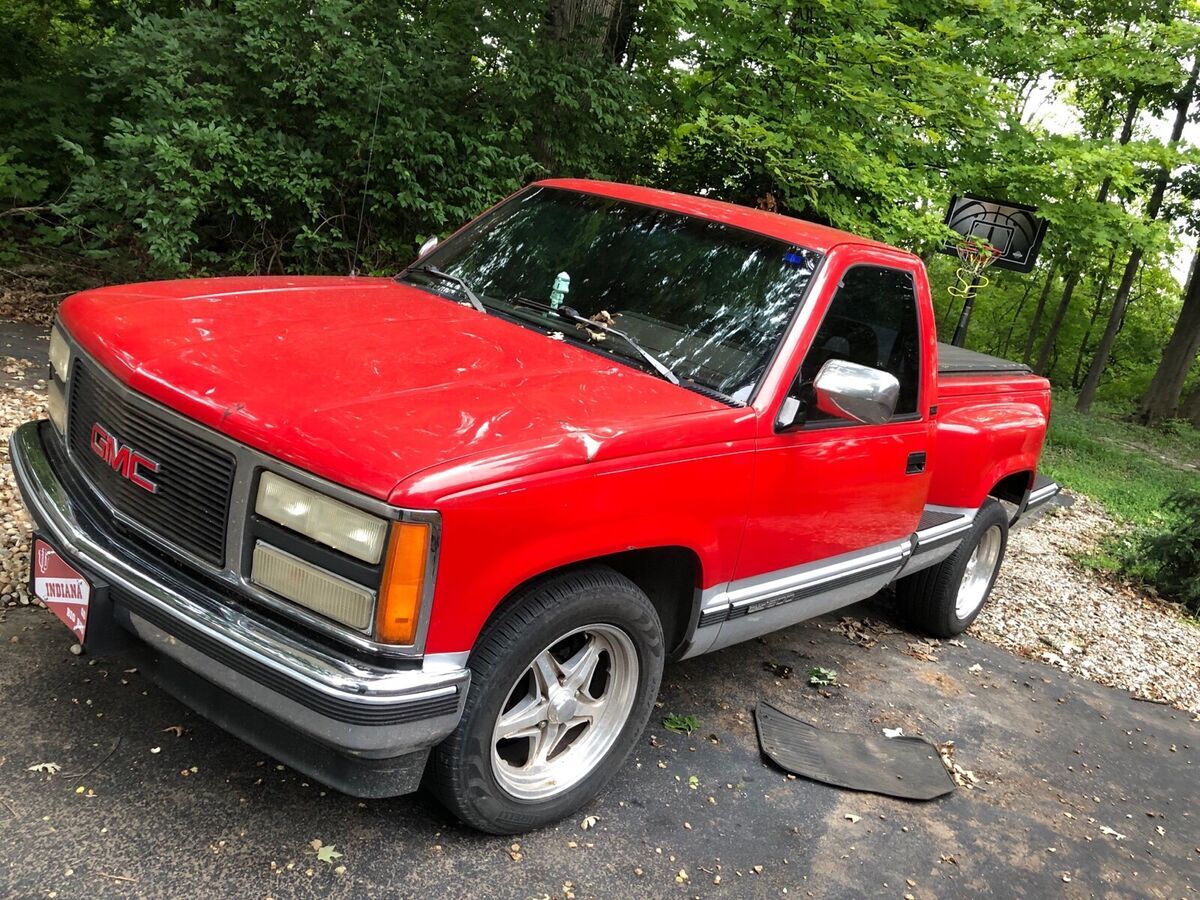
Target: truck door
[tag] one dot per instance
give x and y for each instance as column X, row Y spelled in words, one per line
column 834, row 502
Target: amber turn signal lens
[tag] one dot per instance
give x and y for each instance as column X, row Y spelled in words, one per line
column 403, row 580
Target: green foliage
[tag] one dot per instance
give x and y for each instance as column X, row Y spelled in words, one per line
column 680, row 724
column 237, row 136
column 164, row 138
column 819, row 676
column 1130, row 469
column 1169, row 557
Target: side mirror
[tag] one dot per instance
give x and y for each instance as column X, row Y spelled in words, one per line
column 427, row 246
column 855, row 392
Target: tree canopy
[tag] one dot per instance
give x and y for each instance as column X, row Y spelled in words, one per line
column 169, row 138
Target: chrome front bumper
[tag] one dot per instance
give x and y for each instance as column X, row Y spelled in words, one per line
column 350, row 706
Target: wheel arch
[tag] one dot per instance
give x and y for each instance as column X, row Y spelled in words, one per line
column 1013, row 487
column 670, row 576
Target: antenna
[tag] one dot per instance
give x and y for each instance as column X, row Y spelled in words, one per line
column 362, row 209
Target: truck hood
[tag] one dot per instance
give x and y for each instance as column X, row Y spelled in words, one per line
column 369, row 383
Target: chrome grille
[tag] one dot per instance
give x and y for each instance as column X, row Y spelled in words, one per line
column 190, row 508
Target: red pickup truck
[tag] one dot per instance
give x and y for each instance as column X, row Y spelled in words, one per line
column 450, row 525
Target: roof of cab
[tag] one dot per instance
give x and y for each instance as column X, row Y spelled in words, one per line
column 786, row 228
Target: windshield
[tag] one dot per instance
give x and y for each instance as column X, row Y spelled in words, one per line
column 708, row 300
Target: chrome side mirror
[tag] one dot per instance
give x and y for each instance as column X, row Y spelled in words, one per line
column 860, row 393
column 427, row 246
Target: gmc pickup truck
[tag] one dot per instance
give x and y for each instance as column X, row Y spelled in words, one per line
column 449, row 526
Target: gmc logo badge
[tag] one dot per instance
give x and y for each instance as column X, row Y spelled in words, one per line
column 125, row 461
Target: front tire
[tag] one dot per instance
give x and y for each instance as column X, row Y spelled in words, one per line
column 945, row 599
column 562, row 684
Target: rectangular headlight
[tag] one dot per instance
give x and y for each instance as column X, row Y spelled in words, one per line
column 56, row 407
column 325, row 520
column 60, row 354
column 313, row 588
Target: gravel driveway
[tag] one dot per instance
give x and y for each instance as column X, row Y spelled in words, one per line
column 1072, row 788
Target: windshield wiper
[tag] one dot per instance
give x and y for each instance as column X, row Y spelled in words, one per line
column 454, row 279
column 573, row 315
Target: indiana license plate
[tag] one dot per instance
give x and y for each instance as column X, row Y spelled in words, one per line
column 66, row 591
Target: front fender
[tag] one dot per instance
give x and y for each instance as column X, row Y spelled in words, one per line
column 495, row 539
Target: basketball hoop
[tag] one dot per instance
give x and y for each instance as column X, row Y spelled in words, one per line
column 974, row 255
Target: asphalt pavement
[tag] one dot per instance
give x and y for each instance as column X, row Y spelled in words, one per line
column 1081, row 790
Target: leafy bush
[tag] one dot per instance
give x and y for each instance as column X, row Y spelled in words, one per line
column 1170, row 559
column 237, row 136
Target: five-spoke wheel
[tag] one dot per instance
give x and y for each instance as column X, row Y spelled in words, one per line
column 562, row 683
column 565, row 712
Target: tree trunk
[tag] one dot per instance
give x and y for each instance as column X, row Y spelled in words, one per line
column 585, row 30
column 1048, row 345
column 1190, row 408
column 1090, row 384
column 1087, row 335
column 1027, row 355
column 1073, row 274
column 1162, row 396
column 1012, row 323
column 591, row 25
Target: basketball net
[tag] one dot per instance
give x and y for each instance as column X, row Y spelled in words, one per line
column 974, row 255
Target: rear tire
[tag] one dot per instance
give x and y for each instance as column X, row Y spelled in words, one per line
column 945, row 599
column 562, row 685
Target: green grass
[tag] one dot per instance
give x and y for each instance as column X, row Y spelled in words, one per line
column 1128, row 468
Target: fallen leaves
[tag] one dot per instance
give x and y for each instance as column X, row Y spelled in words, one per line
column 863, row 632
column 1045, row 606
column 925, row 651
column 819, row 676
column 779, row 670
column 962, row 777
column 326, row 853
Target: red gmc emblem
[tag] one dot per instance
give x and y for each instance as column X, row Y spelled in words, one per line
column 125, row 461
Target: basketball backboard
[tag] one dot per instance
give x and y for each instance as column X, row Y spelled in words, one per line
column 1011, row 228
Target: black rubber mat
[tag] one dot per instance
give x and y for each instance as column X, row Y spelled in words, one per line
column 904, row 767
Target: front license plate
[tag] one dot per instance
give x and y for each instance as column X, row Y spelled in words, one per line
column 61, row 588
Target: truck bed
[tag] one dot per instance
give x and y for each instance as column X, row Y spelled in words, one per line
column 958, row 361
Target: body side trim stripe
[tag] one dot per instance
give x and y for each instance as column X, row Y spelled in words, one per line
column 773, row 589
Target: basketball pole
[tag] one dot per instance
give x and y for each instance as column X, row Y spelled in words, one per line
column 960, row 331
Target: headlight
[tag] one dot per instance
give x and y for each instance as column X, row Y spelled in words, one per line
column 325, row 520
column 60, row 354
column 56, row 407
column 311, row 587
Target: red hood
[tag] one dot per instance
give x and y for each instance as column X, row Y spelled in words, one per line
column 368, row 382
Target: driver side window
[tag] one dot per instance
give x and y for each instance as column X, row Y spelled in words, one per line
column 872, row 321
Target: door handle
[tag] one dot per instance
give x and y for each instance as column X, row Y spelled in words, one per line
column 915, row 464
